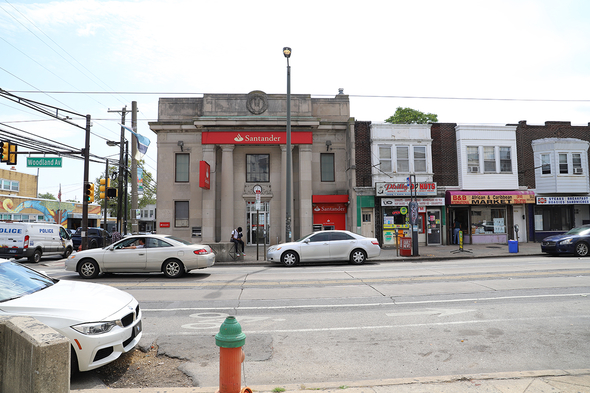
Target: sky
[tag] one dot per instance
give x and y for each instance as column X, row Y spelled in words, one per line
column 469, row 62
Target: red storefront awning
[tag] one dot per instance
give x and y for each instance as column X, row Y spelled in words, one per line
column 329, row 198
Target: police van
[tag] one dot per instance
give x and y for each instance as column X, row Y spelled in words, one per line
column 32, row 240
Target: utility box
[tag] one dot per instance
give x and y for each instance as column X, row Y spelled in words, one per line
column 513, row 246
column 405, row 247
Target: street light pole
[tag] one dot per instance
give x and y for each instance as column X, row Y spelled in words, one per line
column 287, row 54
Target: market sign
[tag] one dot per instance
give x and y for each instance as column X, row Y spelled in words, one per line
column 566, row 200
column 405, row 189
column 255, row 138
column 490, row 197
column 44, row 162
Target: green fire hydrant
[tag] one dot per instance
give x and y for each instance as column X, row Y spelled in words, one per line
column 230, row 340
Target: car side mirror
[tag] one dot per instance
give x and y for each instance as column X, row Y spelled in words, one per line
column 306, row 241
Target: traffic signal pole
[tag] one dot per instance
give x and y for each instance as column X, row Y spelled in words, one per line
column 86, row 174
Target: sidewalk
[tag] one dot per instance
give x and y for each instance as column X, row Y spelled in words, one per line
column 425, row 253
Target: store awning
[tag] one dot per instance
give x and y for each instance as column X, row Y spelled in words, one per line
column 329, row 198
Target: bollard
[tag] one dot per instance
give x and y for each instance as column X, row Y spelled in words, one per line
column 230, row 340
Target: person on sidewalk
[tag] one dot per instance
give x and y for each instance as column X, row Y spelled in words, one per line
column 456, row 230
column 236, row 238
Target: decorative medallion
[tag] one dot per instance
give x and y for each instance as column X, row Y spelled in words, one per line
column 257, row 102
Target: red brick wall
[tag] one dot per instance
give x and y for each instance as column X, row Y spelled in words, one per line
column 362, row 137
column 444, row 154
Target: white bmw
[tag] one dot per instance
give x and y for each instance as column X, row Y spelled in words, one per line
column 322, row 246
column 101, row 322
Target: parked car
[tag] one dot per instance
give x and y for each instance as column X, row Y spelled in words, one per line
column 34, row 239
column 575, row 241
column 161, row 253
column 333, row 245
column 100, row 321
column 97, row 237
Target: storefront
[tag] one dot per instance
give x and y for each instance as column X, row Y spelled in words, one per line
column 489, row 216
column 329, row 212
column 395, row 212
column 559, row 214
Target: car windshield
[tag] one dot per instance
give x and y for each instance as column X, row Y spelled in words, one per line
column 304, row 237
column 177, row 239
column 579, row 231
column 17, row 280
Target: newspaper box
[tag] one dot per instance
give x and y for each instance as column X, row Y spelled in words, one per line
column 405, row 247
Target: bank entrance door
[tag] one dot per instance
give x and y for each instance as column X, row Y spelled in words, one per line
column 433, row 227
column 257, row 223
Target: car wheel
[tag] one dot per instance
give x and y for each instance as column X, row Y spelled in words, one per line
column 358, row 257
column 93, row 244
column 173, row 268
column 67, row 253
column 582, row 249
column 36, row 257
column 88, row 269
column 290, row 258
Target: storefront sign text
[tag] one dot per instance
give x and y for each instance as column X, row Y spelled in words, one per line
column 496, row 199
column 405, row 189
column 406, row 201
column 566, row 200
column 255, row 138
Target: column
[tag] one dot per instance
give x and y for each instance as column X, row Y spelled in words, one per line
column 227, row 191
column 305, row 190
column 209, row 199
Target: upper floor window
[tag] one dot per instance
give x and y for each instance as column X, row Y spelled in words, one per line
column 545, row 164
column 257, row 168
column 385, row 159
column 419, row 158
column 489, row 159
column 563, row 163
column 472, row 159
column 182, row 167
column 327, row 166
column 505, row 159
column 403, row 159
column 577, row 164
column 10, row 185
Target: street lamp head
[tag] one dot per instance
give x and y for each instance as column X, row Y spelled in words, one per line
column 112, row 143
column 287, row 52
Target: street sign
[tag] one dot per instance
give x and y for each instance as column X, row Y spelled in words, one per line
column 44, row 162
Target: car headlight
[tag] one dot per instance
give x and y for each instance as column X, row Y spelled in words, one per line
column 94, row 328
column 566, row 241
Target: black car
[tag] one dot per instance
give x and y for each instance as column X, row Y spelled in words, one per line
column 575, row 241
column 97, row 237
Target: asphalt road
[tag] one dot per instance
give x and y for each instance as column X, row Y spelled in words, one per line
column 381, row 320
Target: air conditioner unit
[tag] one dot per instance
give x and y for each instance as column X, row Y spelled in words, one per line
column 473, row 169
column 578, row 171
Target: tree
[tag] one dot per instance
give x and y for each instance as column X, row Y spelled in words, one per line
column 411, row 116
column 47, row 195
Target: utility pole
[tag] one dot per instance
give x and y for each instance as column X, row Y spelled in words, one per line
column 134, row 197
column 122, row 172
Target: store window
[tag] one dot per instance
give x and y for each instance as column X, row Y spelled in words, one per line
column 385, row 159
column 489, row 159
column 327, row 166
column 552, row 218
column 395, row 217
column 546, row 164
column 182, row 167
column 181, row 214
column 505, row 160
column 419, row 158
column 403, row 159
column 563, row 163
column 488, row 220
column 257, row 168
column 472, row 159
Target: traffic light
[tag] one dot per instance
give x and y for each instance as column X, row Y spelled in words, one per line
column 5, row 151
column 111, row 192
column 12, row 147
column 104, row 185
column 89, row 192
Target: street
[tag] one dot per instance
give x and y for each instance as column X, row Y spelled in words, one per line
column 321, row 323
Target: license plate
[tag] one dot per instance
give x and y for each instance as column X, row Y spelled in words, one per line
column 137, row 329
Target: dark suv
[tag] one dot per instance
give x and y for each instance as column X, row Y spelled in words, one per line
column 97, row 237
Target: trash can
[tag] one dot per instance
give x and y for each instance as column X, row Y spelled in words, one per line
column 513, row 246
column 405, row 247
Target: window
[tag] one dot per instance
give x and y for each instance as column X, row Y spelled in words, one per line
column 419, row 158
column 562, row 163
column 182, row 167
column 489, row 159
column 327, row 166
column 553, row 218
column 472, row 159
column 385, row 159
column 257, row 168
column 14, row 186
column 545, row 164
column 487, row 220
column 403, row 159
column 340, row 236
column 320, row 237
column 181, row 214
column 577, row 163
column 367, row 217
column 505, row 160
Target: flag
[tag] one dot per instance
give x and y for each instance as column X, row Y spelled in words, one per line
column 59, row 193
column 142, row 142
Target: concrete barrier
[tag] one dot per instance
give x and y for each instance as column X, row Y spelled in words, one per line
column 221, row 250
column 33, row 357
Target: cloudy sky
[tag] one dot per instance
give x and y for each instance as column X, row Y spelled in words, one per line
column 468, row 61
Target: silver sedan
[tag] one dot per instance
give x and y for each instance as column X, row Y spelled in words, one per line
column 141, row 254
column 329, row 246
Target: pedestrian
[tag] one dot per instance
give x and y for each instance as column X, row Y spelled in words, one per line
column 456, row 230
column 236, row 238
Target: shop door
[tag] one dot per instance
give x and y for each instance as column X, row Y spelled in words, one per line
column 257, row 222
column 433, row 227
column 367, row 225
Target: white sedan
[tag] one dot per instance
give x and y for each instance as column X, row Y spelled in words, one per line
column 329, row 246
column 101, row 322
column 158, row 253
